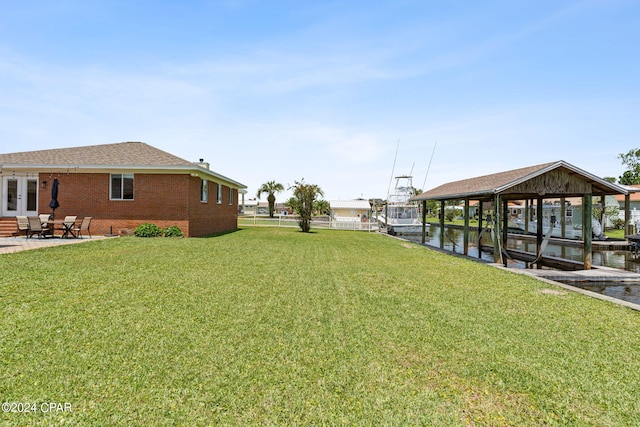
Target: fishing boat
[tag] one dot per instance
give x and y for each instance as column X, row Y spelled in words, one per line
column 551, row 223
column 400, row 216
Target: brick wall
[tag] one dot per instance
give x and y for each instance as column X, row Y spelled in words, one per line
column 212, row 217
column 162, row 199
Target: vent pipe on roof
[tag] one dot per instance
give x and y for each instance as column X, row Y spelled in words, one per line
column 203, row 164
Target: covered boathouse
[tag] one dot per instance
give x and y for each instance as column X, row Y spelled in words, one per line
column 529, row 186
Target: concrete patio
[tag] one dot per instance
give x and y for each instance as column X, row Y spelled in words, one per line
column 17, row 244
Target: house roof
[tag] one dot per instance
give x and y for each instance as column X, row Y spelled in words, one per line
column 634, row 193
column 123, row 155
column 349, row 204
column 486, row 186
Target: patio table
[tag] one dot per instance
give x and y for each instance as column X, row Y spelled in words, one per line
column 65, row 226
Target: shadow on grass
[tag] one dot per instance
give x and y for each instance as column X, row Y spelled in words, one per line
column 222, row 233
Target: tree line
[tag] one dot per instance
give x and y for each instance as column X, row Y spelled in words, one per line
column 632, row 161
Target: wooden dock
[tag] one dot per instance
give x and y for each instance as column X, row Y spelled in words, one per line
column 545, row 260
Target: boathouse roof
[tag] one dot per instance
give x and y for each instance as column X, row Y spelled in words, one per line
column 555, row 179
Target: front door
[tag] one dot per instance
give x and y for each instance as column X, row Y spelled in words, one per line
column 19, row 196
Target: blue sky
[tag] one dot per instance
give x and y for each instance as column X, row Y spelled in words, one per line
column 324, row 90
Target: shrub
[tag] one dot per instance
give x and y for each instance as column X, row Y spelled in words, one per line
column 173, row 231
column 618, row 223
column 451, row 214
column 148, row 230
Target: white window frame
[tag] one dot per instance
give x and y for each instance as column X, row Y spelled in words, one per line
column 219, row 194
column 204, row 191
column 123, row 176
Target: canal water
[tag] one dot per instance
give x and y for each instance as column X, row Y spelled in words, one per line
column 628, row 291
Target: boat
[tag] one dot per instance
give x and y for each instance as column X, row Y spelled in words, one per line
column 551, row 223
column 401, row 216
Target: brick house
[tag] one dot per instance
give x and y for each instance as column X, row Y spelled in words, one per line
column 120, row 186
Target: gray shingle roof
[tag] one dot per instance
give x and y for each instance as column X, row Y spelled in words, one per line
column 120, row 154
column 129, row 155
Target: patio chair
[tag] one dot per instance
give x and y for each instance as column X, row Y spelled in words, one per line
column 84, row 226
column 23, row 225
column 35, row 227
column 44, row 219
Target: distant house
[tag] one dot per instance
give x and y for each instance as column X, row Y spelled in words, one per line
column 634, row 204
column 120, row 186
column 248, row 207
column 349, row 213
column 262, row 208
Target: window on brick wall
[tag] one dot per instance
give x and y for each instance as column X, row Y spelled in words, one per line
column 230, row 195
column 121, row 186
column 204, row 190
column 219, row 193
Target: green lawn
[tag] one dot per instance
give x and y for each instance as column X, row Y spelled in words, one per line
column 270, row 326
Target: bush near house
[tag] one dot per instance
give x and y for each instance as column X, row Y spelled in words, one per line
column 151, row 230
column 173, row 231
column 148, row 230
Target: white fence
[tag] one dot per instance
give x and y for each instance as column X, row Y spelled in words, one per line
column 291, row 221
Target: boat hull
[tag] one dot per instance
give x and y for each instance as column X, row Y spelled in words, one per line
column 406, row 229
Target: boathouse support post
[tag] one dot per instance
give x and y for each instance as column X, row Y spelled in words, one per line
column 526, row 216
column 466, row 227
column 628, row 226
column 587, row 229
column 497, row 235
column 441, row 224
column 505, row 222
column 505, row 229
column 563, row 218
column 424, row 221
column 480, row 212
column 539, row 232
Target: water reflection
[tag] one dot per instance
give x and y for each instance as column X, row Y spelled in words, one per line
column 453, row 241
column 624, row 291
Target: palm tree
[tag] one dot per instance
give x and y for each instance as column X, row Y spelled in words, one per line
column 322, row 207
column 302, row 202
column 271, row 188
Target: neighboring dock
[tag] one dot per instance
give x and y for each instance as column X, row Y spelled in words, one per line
column 596, row 274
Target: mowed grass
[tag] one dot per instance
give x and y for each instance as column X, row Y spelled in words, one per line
column 270, row 326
